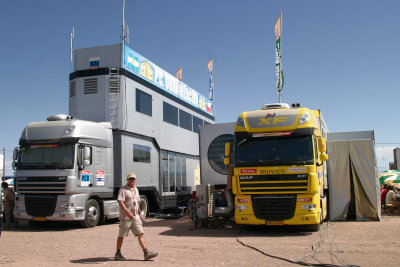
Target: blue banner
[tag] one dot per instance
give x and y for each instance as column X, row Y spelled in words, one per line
column 142, row 67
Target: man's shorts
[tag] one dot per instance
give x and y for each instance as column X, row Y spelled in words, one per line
column 134, row 225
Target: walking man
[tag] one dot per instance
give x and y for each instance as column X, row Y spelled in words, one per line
column 130, row 217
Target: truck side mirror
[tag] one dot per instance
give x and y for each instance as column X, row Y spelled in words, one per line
column 86, row 152
column 227, row 160
column 15, row 154
column 322, row 144
column 87, row 155
column 323, row 157
column 227, row 149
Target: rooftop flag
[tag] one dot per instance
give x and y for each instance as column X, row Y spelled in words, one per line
column 210, row 70
column 278, row 59
column 179, row 74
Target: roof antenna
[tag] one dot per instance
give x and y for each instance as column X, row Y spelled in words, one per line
column 124, row 35
column 72, row 46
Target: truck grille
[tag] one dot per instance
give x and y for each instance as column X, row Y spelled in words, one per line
column 294, row 183
column 274, row 207
column 24, row 185
column 40, row 205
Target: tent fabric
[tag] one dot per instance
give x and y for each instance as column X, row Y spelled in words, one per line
column 366, row 187
column 338, row 180
column 352, row 173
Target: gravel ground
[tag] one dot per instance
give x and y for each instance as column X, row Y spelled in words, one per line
column 180, row 243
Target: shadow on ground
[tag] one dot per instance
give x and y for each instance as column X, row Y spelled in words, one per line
column 184, row 226
column 98, row 260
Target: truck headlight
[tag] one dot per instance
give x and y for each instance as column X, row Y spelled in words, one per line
column 304, row 117
column 67, row 205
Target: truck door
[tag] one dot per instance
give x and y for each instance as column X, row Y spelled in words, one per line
column 86, row 169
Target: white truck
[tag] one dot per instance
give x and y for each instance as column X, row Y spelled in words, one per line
column 64, row 172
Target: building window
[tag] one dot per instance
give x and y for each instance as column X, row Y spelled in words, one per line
column 141, row 153
column 174, row 172
column 143, row 102
column 196, row 123
column 170, row 114
column 185, row 120
column 216, row 153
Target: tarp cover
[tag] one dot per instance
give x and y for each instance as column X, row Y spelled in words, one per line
column 352, row 177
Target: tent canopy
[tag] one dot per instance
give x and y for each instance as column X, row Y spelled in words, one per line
column 352, row 177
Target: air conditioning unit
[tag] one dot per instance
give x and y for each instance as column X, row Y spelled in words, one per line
column 275, row 106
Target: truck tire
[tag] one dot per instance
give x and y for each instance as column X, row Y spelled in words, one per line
column 144, row 206
column 92, row 214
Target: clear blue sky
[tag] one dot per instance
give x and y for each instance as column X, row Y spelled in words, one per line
column 338, row 56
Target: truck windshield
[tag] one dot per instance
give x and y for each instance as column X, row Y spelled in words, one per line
column 54, row 156
column 275, row 151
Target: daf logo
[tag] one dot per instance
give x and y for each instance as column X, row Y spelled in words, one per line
column 269, row 115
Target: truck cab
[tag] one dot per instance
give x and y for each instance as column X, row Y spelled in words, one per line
column 64, row 171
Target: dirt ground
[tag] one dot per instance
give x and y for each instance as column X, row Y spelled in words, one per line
column 180, row 243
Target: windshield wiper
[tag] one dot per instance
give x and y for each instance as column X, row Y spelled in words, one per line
column 242, row 142
column 55, row 165
column 296, row 160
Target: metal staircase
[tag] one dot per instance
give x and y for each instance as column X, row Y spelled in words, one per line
column 114, row 84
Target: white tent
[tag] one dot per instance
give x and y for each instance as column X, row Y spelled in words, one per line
column 352, row 177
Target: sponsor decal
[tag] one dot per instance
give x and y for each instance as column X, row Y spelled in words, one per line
column 247, row 177
column 276, row 171
column 100, row 178
column 298, row 169
column 243, row 200
column 304, row 199
column 94, row 63
column 245, row 171
column 85, row 178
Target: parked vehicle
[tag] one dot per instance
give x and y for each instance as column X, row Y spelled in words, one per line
column 280, row 175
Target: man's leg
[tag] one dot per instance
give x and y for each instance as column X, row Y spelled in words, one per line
column 120, row 239
column 118, row 256
column 142, row 241
column 147, row 254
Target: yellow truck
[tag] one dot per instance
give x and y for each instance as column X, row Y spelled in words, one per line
column 279, row 166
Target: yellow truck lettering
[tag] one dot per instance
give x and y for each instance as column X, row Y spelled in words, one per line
column 275, row 120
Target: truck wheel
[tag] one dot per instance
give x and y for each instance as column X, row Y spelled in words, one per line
column 92, row 214
column 144, row 206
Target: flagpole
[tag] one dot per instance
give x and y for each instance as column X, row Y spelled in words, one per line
column 280, row 45
column 212, row 73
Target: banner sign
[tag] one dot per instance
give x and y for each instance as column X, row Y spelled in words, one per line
column 142, row 67
column 278, row 57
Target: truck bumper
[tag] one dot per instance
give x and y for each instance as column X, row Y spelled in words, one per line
column 68, row 208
